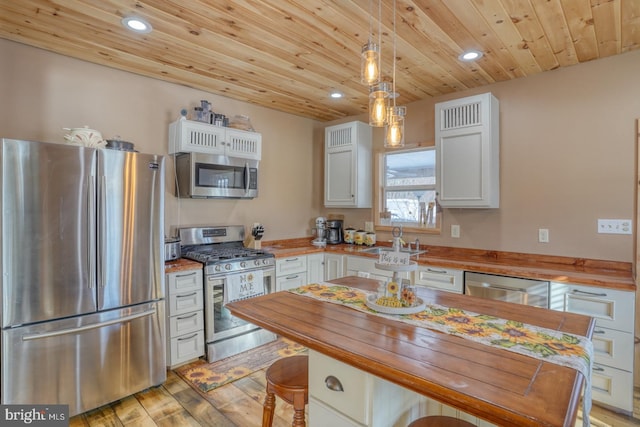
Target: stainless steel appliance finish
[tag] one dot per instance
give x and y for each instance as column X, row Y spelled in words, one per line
column 82, row 274
column 509, row 289
column 203, row 175
column 227, row 264
column 334, row 231
column 171, row 249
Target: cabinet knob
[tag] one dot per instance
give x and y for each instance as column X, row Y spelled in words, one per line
column 333, row 383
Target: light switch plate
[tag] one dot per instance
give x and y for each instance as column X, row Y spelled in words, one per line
column 615, row 226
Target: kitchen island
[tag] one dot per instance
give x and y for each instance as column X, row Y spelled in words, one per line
column 495, row 385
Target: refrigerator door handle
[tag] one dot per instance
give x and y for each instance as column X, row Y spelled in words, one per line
column 88, row 327
column 102, row 236
column 91, row 232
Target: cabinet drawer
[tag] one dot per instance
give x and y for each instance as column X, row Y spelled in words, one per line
column 185, row 323
column 187, row 347
column 323, row 416
column 613, row 348
column 611, row 308
column 354, row 398
column 612, row 387
column 291, row 281
column 184, row 281
column 440, row 278
column 291, row 265
column 185, row 302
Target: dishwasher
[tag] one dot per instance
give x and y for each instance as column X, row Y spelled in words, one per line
column 510, row 289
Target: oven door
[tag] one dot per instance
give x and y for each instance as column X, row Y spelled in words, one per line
column 219, row 323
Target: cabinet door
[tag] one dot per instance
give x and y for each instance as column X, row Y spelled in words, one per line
column 348, row 175
column 333, row 266
column 243, row 144
column 467, row 153
column 315, row 268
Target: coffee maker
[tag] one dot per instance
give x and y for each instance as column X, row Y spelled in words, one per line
column 334, row 231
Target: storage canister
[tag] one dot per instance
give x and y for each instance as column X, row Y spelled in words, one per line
column 359, row 237
column 370, row 238
column 349, row 235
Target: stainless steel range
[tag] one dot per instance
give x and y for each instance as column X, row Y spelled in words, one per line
column 231, row 272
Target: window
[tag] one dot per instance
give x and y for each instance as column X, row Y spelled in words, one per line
column 408, row 181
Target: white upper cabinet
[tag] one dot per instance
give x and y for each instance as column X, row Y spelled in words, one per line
column 347, row 165
column 187, row 136
column 467, row 152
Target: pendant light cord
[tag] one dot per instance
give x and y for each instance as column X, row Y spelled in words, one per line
column 380, row 37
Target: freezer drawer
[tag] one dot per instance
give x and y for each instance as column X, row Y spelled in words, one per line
column 85, row 361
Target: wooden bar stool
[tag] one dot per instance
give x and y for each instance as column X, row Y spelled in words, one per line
column 287, row 378
column 440, row 421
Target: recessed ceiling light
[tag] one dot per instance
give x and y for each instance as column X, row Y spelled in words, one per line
column 336, row 94
column 470, row 55
column 136, row 24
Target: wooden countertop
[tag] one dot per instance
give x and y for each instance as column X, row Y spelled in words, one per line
column 181, row 264
column 580, row 271
column 501, row 387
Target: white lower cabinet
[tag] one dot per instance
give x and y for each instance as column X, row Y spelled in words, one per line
column 366, row 267
column 343, row 396
column 333, row 266
column 340, row 395
column 444, row 279
column 185, row 318
column 613, row 338
column 291, row 272
column 315, row 268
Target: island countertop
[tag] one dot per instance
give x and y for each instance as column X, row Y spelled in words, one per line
column 496, row 385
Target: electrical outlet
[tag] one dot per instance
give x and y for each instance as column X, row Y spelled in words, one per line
column 614, row 226
column 455, row 231
column 543, row 235
column 368, row 226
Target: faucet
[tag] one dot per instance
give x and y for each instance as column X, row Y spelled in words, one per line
column 417, row 243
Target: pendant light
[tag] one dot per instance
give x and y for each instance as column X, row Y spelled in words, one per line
column 370, row 60
column 379, row 104
column 394, row 134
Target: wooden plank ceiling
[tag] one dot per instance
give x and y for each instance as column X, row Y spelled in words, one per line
column 289, row 54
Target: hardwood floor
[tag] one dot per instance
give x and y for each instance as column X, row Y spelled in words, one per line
column 238, row 404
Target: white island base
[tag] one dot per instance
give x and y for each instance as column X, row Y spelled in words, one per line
column 366, row 400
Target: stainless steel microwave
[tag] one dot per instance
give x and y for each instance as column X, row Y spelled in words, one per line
column 204, row 176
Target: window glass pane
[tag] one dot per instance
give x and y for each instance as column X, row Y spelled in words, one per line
column 410, row 168
column 405, row 205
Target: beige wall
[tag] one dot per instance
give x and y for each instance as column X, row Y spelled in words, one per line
column 43, row 92
column 567, row 149
column 567, row 158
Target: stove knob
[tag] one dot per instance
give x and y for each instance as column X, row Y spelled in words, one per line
column 265, row 261
column 257, row 262
column 243, row 264
column 217, row 268
column 227, row 266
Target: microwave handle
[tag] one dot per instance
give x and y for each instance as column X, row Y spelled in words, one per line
column 246, row 177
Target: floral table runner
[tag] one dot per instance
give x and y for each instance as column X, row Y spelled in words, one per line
column 564, row 349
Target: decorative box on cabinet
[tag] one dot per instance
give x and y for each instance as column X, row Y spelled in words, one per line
column 347, row 165
column 187, row 136
column 291, row 272
column 467, row 152
column 613, row 338
column 185, row 318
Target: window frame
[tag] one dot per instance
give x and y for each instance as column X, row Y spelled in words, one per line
column 379, row 195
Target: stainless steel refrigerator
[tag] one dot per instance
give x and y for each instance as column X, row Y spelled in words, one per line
column 82, row 274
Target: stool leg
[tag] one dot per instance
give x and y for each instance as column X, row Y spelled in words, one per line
column 267, row 409
column 298, row 408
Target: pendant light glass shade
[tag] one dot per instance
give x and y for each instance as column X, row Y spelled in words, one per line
column 394, row 135
column 370, row 63
column 378, row 104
